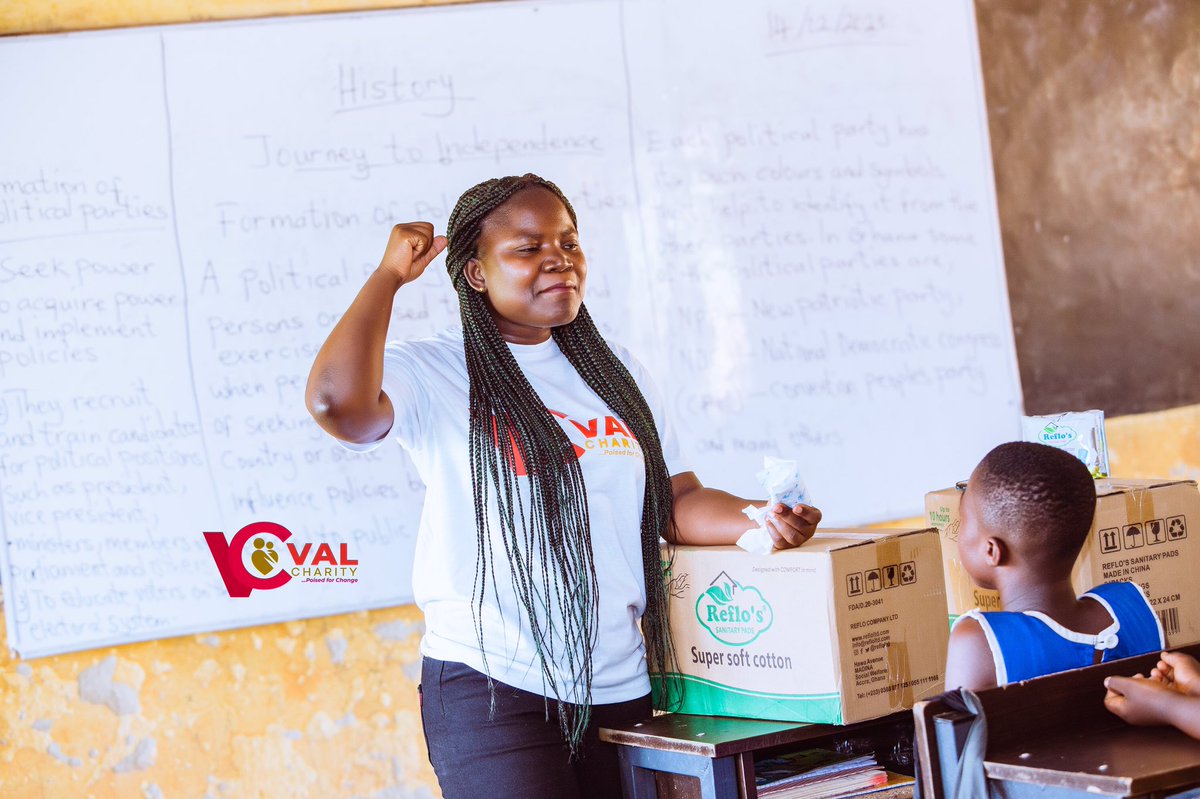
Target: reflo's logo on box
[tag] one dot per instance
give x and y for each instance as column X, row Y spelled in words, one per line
column 253, row 560
column 733, row 613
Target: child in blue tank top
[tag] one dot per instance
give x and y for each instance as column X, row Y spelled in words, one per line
column 1026, row 514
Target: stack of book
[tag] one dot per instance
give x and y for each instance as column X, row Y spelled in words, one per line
column 823, row 774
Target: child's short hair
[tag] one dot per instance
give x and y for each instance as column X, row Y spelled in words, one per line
column 1040, row 496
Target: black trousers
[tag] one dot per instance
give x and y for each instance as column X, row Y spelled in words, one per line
column 519, row 752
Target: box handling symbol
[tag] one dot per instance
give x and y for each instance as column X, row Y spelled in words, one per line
column 1110, row 540
column 854, row 584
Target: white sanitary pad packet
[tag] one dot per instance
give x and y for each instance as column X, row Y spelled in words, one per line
column 782, row 481
column 1080, row 433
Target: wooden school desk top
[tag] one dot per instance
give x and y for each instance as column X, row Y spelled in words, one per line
column 1055, row 732
column 719, row 736
column 1123, row 761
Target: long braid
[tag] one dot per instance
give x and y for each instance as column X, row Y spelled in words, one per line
column 600, row 368
column 545, row 524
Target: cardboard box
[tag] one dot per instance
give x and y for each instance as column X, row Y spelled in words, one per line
column 848, row 627
column 1142, row 533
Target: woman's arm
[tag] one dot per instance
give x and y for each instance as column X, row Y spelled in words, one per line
column 709, row 517
column 344, row 392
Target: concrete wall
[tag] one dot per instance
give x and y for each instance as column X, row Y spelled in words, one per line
column 318, row 708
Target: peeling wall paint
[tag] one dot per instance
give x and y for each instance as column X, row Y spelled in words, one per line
column 323, row 707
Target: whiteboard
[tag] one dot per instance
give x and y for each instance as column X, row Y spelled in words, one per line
column 788, row 209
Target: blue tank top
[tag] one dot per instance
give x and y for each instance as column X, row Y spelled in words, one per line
column 1031, row 644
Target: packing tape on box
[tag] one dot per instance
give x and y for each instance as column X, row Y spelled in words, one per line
column 1139, row 505
column 903, row 693
column 887, row 553
column 890, row 552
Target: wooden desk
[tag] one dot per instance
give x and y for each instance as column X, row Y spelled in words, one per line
column 717, row 751
column 1125, row 761
column 1052, row 737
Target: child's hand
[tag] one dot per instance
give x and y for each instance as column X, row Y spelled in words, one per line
column 1178, row 671
column 1139, row 700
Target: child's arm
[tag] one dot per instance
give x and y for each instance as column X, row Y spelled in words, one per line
column 1149, row 702
column 969, row 662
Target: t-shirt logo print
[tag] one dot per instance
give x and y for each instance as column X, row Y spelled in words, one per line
column 579, row 451
column 606, row 434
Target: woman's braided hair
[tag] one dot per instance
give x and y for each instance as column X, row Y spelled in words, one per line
column 544, row 523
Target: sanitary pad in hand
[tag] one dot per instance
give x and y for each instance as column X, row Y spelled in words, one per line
column 782, row 481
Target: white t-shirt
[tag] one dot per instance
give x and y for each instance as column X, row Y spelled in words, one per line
column 427, row 383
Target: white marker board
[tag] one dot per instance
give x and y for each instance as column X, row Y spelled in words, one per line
column 788, row 210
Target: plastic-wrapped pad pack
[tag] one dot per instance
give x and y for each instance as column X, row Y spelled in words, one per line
column 782, row 481
column 1080, row 433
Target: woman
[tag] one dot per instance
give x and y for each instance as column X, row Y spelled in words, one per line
column 550, row 476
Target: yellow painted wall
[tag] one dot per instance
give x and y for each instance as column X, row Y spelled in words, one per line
column 318, row 708
column 47, row 16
